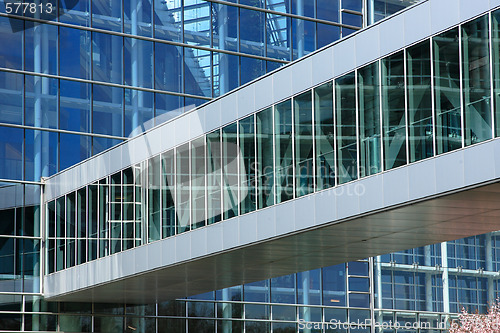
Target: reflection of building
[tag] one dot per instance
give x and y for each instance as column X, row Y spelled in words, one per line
column 141, row 62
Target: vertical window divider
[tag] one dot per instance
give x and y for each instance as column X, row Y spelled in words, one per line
column 358, row 145
column 221, row 159
column 461, row 71
column 294, row 194
column 492, row 82
column 433, row 98
column 174, row 195
column 313, row 140
column 160, row 196
column 275, row 186
column 189, row 175
column 255, row 142
column 381, row 105
column 405, row 78
column 205, row 176
column 238, row 158
column 335, row 143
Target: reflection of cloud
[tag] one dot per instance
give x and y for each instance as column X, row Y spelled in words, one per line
column 160, row 119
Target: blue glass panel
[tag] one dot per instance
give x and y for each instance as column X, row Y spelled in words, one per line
column 167, row 107
column 11, row 36
column 107, row 57
column 303, row 8
column 327, row 10
column 197, row 22
column 168, row 67
column 40, row 154
column 283, row 289
column 308, row 288
column 303, row 37
column 252, row 32
column 73, row 149
column 7, row 256
column 74, row 106
column 72, row 42
column 107, row 110
column 167, row 20
column 225, row 73
column 138, row 111
column 197, row 72
column 352, row 5
column 334, row 285
column 75, row 12
column 11, row 98
column 225, row 27
column 101, row 144
column 138, row 63
column 40, row 48
column 107, row 15
column 40, row 101
column 251, row 69
column 11, row 153
column 278, row 36
column 327, row 34
column 138, row 19
column 191, row 103
column 352, row 19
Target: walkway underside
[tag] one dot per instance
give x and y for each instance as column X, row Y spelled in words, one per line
column 386, row 219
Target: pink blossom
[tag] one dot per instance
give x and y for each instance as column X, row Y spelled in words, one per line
column 478, row 323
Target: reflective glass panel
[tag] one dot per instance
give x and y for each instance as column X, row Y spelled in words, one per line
column 74, row 104
column 304, row 154
column 11, row 95
column 168, row 194
column 183, row 186
column 324, row 132
column 198, row 183
column 247, row 169
column 75, row 12
column 107, row 15
column 11, row 153
column 71, row 42
column 40, row 48
column 154, row 183
column 369, row 120
column 167, row 20
column 447, row 91
column 138, row 111
column 265, row 168
column 214, row 177
column 279, row 39
column 138, row 63
column 40, row 101
column 420, row 125
column 107, row 110
column 107, row 58
column 252, row 32
column 251, row 69
column 283, row 129
column 137, row 17
column 393, row 111
column 345, row 110
column 11, row 35
column 230, row 157
column 168, row 67
column 495, row 30
column 476, row 80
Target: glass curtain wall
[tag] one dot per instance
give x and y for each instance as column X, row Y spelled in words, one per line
column 309, row 142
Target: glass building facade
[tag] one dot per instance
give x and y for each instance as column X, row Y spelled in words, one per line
column 98, row 72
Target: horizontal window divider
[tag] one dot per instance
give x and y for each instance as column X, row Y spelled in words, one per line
column 274, row 12
column 151, row 39
column 115, row 85
column 62, row 131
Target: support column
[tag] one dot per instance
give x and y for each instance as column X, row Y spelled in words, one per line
column 446, row 289
column 428, row 279
column 226, row 312
column 488, row 248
